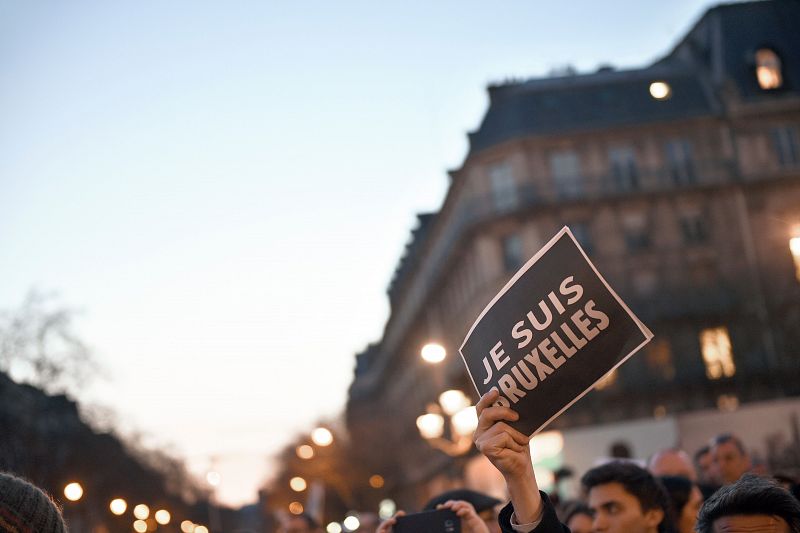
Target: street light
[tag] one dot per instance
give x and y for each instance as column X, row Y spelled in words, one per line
column 118, row 506
column 73, row 491
column 433, row 353
column 322, row 436
column 141, row 511
column 162, row 517
column 463, row 421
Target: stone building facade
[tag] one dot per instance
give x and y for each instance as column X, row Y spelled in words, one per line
column 681, row 179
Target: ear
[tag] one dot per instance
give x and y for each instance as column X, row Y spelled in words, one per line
column 653, row 517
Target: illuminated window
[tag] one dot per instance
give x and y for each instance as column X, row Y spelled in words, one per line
column 715, row 344
column 768, row 69
column 504, row 189
column 794, row 247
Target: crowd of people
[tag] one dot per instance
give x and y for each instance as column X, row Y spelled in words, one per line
column 717, row 490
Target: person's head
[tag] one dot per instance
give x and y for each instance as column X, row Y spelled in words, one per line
column 625, row 498
column 672, row 462
column 578, row 517
column 301, row 523
column 704, row 463
column 730, row 458
column 484, row 505
column 751, row 504
column 685, row 499
column 24, row 507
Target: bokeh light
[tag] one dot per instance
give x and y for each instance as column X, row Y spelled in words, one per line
column 386, row 509
column 141, row 511
column 200, row 529
column 322, row 436
column 295, row 507
column 376, row 481
column 187, row 526
column 433, row 352
column 333, row 527
column 214, row 478
column 298, row 484
column 118, row 506
column 162, row 517
column 351, row 523
column 305, row 451
column 73, row 491
column 140, row 526
column 660, row 90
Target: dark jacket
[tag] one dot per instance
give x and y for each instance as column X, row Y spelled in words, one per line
column 549, row 523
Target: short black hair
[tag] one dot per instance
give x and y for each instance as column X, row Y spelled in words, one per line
column 637, row 481
column 701, row 452
column 728, row 437
column 679, row 490
column 751, row 495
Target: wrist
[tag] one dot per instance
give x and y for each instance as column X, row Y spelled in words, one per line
column 525, row 497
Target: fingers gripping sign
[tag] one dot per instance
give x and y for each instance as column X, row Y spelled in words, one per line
column 508, row 450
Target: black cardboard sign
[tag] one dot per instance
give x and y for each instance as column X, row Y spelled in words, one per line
column 550, row 334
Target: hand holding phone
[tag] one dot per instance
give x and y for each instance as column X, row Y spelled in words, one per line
column 439, row 521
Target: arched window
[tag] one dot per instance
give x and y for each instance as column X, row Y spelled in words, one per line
column 768, row 69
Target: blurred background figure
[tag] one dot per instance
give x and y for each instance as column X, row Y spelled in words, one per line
column 577, row 516
column 685, row 499
column 25, row 508
column 731, row 461
column 302, row 523
column 672, row 462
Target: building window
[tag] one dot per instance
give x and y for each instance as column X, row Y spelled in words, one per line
column 566, row 169
column 512, row 252
column 504, row 189
column 623, row 168
column 659, row 358
column 694, row 229
column 768, row 69
column 794, row 247
column 784, row 140
column 580, row 230
column 715, row 344
column 680, row 166
column 634, row 227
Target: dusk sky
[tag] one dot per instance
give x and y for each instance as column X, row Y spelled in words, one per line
column 223, row 189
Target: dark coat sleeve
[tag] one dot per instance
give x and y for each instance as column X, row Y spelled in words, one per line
column 549, row 523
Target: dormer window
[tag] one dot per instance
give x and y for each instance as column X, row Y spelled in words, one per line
column 768, row 69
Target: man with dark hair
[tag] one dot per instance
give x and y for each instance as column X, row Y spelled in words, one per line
column 731, row 460
column 751, row 504
column 623, row 497
column 626, row 498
